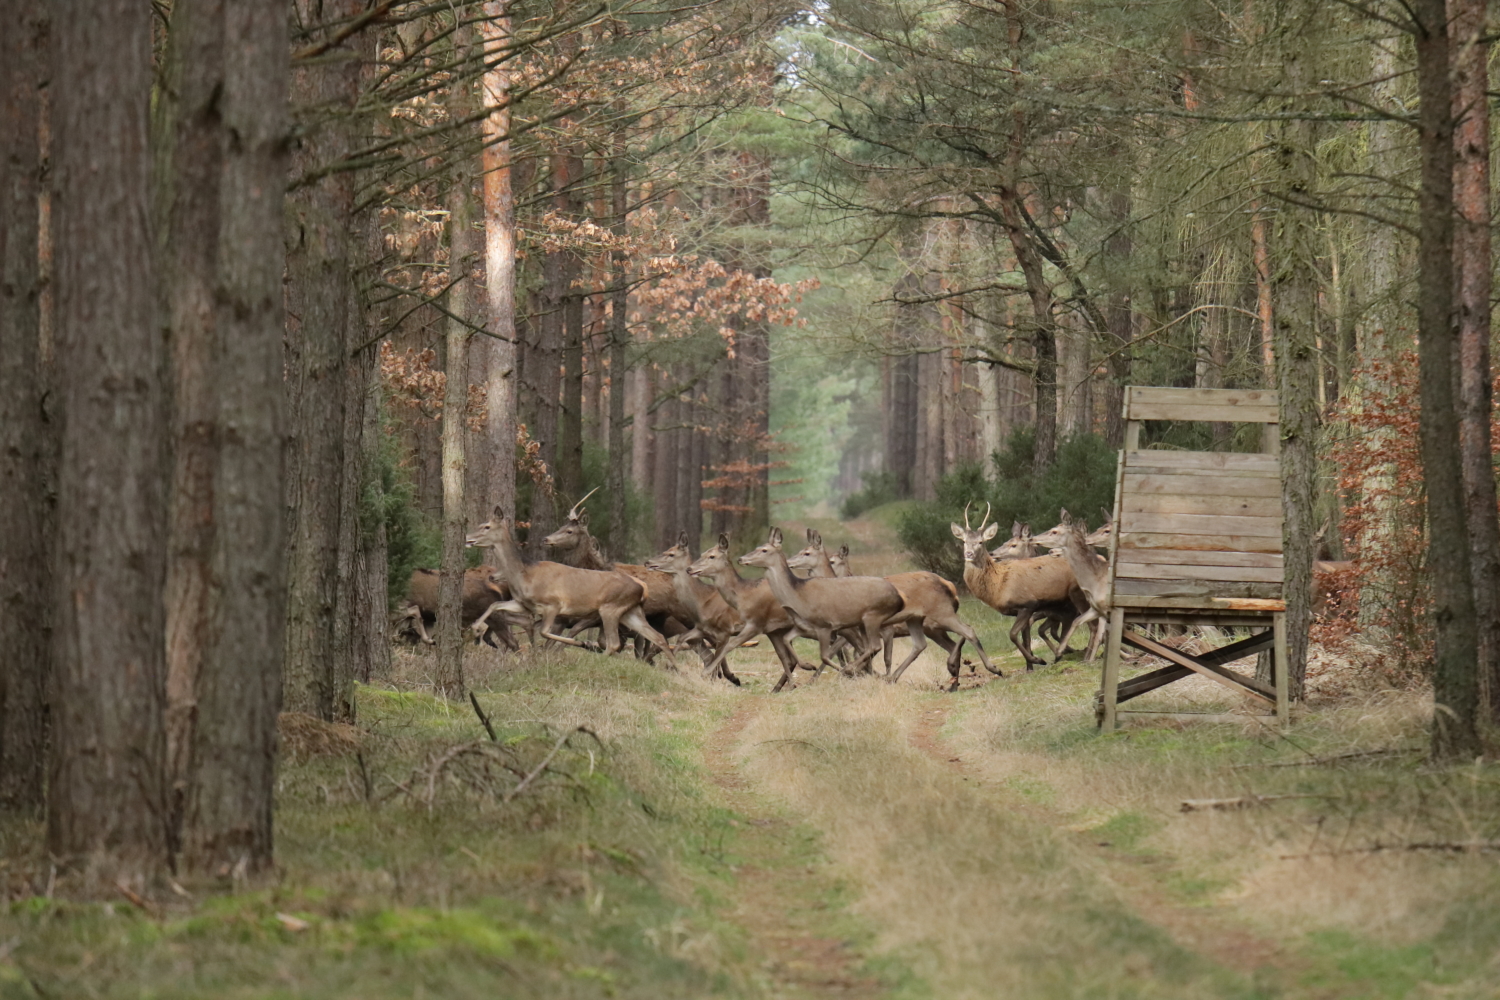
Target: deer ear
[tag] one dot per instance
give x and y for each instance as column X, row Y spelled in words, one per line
column 1065, row 516
column 816, row 537
column 991, row 531
column 775, row 538
column 844, row 551
column 499, row 514
column 1015, row 528
column 583, row 518
column 682, row 538
column 957, row 531
column 723, row 541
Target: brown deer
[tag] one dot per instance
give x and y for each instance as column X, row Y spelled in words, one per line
column 937, row 598
column 420, row 605
column 757, row 607
column 1091, row 570
column 549, row 590
column 824, row 605
column 710, row 615
column 1022, row 545
column 1019, row 587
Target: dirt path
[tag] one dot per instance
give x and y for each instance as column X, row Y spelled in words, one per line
column 780, row 899
column 1201, row 929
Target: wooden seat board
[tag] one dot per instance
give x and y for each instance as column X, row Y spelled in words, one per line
column 1204, row 602
column 1211, row 405
column 1154, row 571
column 1237, row 463
column 1202, row 589
column 1199, row 557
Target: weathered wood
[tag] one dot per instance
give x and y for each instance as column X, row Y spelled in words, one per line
column 1219, row 674
column 1176, row 503
column 1201, row 524
column 1108, row 704
column 1240, row 802
column 1207, row 602
column 1131, row 570
column 1237, row 463
column 1214, row 405
column 1279, row 670
column 1197, row 617
column 1222, row 718
column 1198, row 484
column 1191, row 557
column 1193, row 542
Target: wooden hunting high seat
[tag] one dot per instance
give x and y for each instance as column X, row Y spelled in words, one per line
column 1197, row 542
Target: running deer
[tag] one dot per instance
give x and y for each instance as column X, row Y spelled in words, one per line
column 1021, row 545
column 1092, row 573
column 479, row 593
column 757, row 607
column 548, row 590
column 1020, row 587
column 937, row 598
column 709, row 614
column 1018, row 546
column 825, row 606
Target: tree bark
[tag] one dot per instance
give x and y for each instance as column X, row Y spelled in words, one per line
column 26, row 433
column 1455, row 667
column 107, row 798
column 619, row 346
column 1472, row 262
column 321, row 302
column 450, row 624
column 500, row 264
column 570, row 409
column 232, row 787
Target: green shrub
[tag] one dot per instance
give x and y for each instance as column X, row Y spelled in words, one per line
column 1081, row 479
column 880, row 488
column 390, row 499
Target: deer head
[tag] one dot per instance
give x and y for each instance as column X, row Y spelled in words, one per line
column 672, row 559
column 840, row 561
column 767, row 554
column 974, row 539
column 713, row 560
column 810, row 557
column 492, row 533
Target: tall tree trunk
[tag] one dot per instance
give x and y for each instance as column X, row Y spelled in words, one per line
column 1296, row 370
column 450, row 624
column 322, row 327
column 666, row 457
column 1043, row 331
column 500, row 265
column 1455, row 668
column 226, row 598
column 570, row 410
column 107, row 797
column 619, row 346
column 1118, row 319
column 26, row 434
column 1472, row 260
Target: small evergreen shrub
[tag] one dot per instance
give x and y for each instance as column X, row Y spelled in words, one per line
column 880, row 489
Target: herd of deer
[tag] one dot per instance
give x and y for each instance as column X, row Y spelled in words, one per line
column 674, row 601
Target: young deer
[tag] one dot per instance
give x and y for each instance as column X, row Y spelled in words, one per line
column 757, row 607
column 827, row 605
column 1020, row 587
column 549, row 590
column 1092, row 572
column 937, row 598
column 479, row 593
column 709, row 614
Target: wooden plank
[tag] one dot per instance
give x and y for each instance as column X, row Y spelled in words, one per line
column 1216, row 405
column 1148, row 540
column 1214, row 525
column 1196, row 617
column 1205, row 603
column 1147, row 682
column 1190, row 557
column 1154, row 571
column 1234, row 506
column 1222, row 675
column 1191, row 485
column 1279, row 671
column 1152, row 469
column 1206, row 717
column 1197, row 589
column 1251, row 463
column 1110, row 681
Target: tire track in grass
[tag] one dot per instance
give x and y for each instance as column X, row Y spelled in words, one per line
column 780, row 898
column 1203, row 930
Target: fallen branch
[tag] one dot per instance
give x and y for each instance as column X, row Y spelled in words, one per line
column 1335, row 758
column 1448, row 846
column 484, row 719
column 1240, row 802
column 556, row 747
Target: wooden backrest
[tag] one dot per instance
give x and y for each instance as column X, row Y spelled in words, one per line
column 1198, row 529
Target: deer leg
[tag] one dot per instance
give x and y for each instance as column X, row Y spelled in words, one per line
column 1083, row 619
column 1020, row 637
column 918, row 637
column 954, row 650
column 788, row 659
column 1101, row 626
column 745, row 634
column 636, row 622
column 966, row 631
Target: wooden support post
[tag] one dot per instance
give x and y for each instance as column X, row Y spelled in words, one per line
column 1109, row 690
column 1278, row 669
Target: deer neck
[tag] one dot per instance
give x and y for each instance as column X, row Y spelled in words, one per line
column 682, row 583
column 784, row 586
column 513, row 569
column 824, row 568
column 1085, row 563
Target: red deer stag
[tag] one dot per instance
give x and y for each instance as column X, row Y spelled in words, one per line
column 1020, row 587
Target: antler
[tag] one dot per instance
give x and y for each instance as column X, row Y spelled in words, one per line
column 986, row 516
column 966, row 516
column 573, row 514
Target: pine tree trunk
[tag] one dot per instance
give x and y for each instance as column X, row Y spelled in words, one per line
column 620, row 460
column 450, row 623
column 498, row 452
column 107, row 796
column 1472, row 260
column 1455, row 669
column 570, row 410
column 26, row 434
column 322, row 329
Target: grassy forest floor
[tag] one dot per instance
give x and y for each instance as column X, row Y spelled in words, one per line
column 848, row 839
